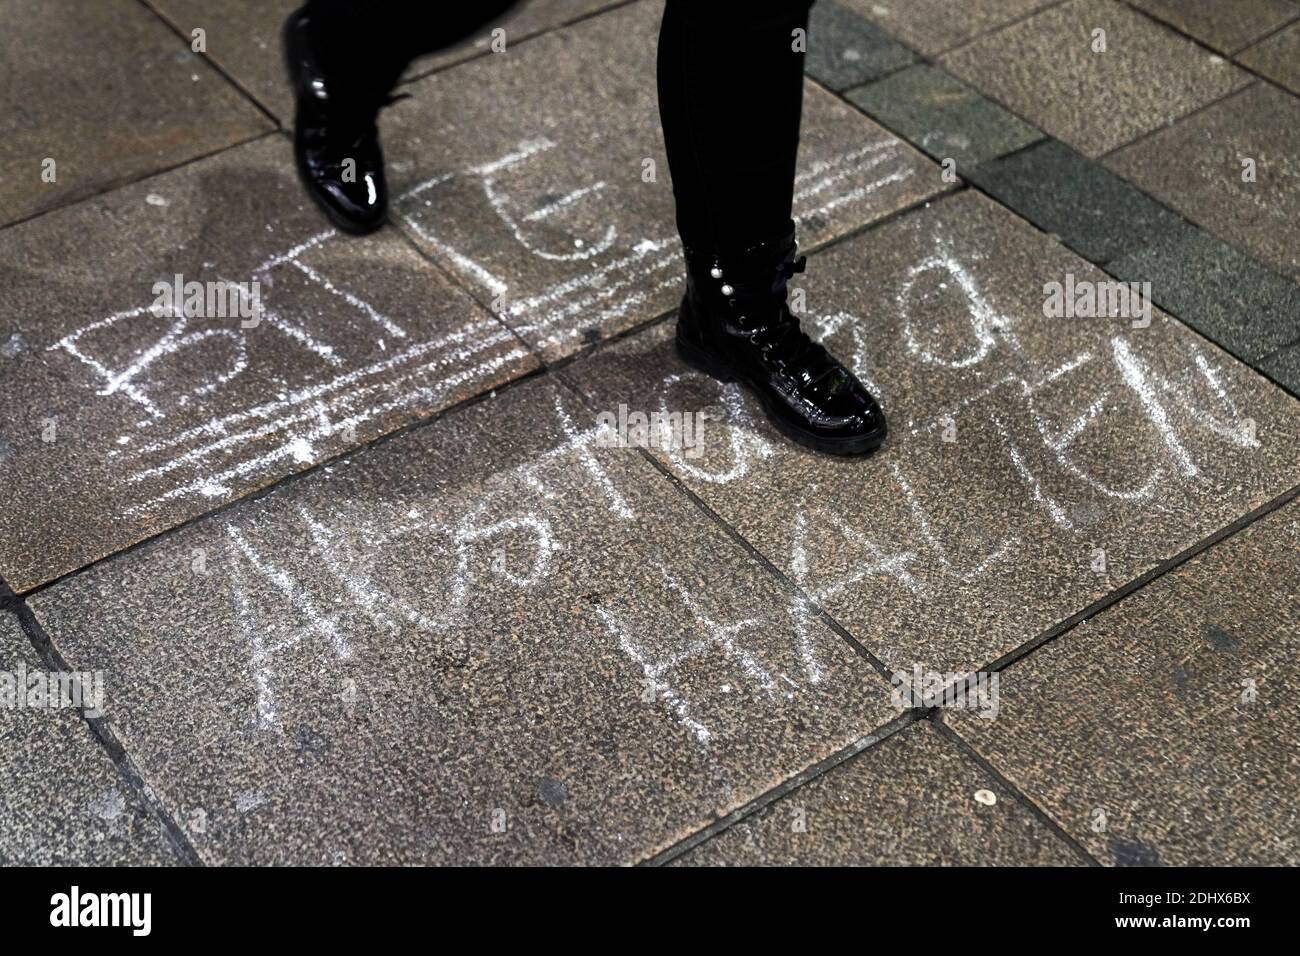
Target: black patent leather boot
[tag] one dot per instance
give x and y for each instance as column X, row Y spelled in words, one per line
column 336, row 141
column 735, row 324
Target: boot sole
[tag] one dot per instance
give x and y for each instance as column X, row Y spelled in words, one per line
column 698, row 359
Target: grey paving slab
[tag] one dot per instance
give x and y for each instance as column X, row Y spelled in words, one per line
column 1034, row 464
column 117, row 421
column 1278, row 57
column 529, row 19
column 1046, row 70
column 911, row 800
column 244, row 37
column 1225, row 26
column 1090, row 209
column 1200, row 167
column 1284, row 366
column 62, row 802
column 845, row 50
column 943, row 116
column 527, row 175
column 491, row 639
column 1162, row 731
column 1218, row 290
column 98, row 93
column 933, row 26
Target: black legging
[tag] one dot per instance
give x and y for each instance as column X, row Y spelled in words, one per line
column 730, row 100
column 730, row 95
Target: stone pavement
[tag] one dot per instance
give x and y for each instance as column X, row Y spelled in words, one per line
column 366, row 576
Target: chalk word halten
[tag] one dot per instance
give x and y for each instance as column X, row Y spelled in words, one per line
column 526, row 495
column 1167, row 410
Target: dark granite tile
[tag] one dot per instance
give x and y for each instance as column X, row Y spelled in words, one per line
column 1225, row 26
column 107, row 93
column 1284, row 366
column 1088, row 207
column 845, row 50
column 1197, row 167
column 1046, row 71
column 62, row 802
column 542, row 204
column 244, row 37
column 1217, row 290
column 118, row 422
column 912, row 800
column 488, row 640
column 1034, row 464
column 1163, row 731
column 943, row 116
column 1278, row 58
column 933, row 26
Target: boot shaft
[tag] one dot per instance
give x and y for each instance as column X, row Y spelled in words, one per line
column 746, row 289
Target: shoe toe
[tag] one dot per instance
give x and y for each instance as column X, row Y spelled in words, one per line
column 843, row 408
column 361, row 201
column 356, row 204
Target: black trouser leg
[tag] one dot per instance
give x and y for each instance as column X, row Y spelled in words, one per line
column 731, row 99
column 371, row 42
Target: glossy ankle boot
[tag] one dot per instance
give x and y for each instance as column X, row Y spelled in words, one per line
column 735, row 324
column 335, row 140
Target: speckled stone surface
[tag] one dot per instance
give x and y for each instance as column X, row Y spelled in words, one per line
column 1277, row 57
column 909, row 800
column 527, row 20
column 1218, row 290
column 1196, row 166
column 109, row 94
column 1284, row 366
column 1044, row 69
column 1162, row 731
column 1089, row 208
column 943, row 116
column 845, row 50
column 1226, row 26
column 116, row 423
column 555, row 202
column 541, row 652
column 933, row 26
column 63, row 803
column 244, row 37
column 1034, row 464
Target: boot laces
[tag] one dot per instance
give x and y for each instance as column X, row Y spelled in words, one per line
column 783, row 335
